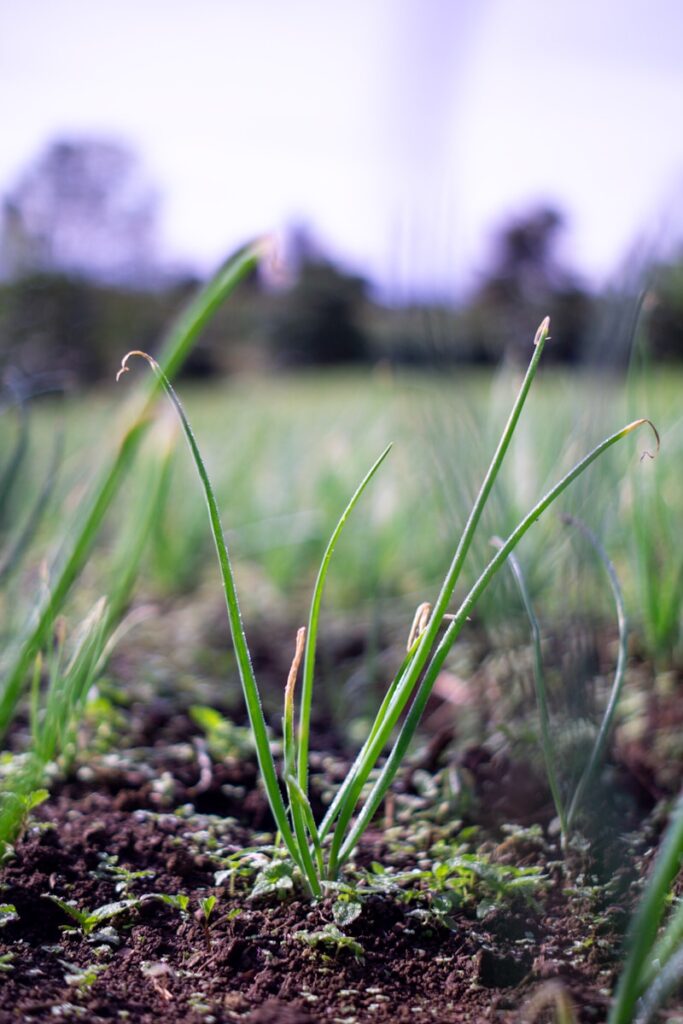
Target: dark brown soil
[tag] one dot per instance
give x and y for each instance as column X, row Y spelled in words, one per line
column 171, row 811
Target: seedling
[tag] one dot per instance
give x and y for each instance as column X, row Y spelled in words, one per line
column 330, row 938
column 88, row 920
column 124, row 877
column 346, row 909
column 207, row 906
column 274, row 881
column 320, row 850
column 206, row 909
column 178, row 901
column 82, row 978
column 8, row 914
column 223, row 737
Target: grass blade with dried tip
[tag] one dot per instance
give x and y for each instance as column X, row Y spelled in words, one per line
column 353, row 785
column 239, row 640
column 312, row 633
column 299, row 806
column 416, row 710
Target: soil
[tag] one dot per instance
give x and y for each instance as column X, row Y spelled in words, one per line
column 165, row 815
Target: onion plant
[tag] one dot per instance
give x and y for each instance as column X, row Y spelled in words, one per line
column 174, row 350
column 320, row 850
column 567, row 814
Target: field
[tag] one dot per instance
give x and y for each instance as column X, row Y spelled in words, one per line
column 150, row 881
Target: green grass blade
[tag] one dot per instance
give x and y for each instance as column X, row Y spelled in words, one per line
column 352, row 786
column 334, row 807
column 414, row 715
column 312, row 631
column 608, row 718
column 302, row 813
column 666, row 983
column 540, row 687
column 239, row 640
column 11, row 470
column 104, row 492
column 296, row 810
column 33, row 518
column 645, row 923
column 183, row 334
column 175, row 350
column 669, row 944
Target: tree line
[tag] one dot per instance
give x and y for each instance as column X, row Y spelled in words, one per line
column 82, row 279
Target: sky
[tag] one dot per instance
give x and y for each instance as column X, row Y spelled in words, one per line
column 401, row 132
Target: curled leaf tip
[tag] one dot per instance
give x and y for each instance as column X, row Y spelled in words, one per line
column 124, row 362
column 639, row 423
column 542, row 332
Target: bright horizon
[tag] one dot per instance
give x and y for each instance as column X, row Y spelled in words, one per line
column 401, row 133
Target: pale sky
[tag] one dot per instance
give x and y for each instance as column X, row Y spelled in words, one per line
column 401, row 131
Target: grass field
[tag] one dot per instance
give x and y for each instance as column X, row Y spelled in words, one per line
column 286, row 453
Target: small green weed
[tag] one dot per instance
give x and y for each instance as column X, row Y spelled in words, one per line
column 330, row 939
column 224, row 739
column 123, row 877
column 8, row 914
column 82, row 978
column 89, row 920
column 178, row 901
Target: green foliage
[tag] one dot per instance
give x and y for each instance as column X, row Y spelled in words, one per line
column 124, row 878
column 652, row 967
column 58, row 707
column 6, row 962
column 302, row 837
column 345, row 910
column 207, row 906
column 274, row 881
column 330, row 938
column 89, row 920
column 468, row 882
column 8, row 914
column 224, row 738
column 82, row 978
column 178, row 901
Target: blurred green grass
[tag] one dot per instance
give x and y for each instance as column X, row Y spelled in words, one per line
column 285, row 453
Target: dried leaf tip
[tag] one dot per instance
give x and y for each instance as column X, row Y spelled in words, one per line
column 650, row 424
column 542, row 332
column 124, row 362
column 294, row 670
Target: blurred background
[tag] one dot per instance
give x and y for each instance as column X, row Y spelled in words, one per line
column 438, row 175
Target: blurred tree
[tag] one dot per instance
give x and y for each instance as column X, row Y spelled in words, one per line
column 82, row 209
column 526, row 282
column 317, row 321
column 663, row 307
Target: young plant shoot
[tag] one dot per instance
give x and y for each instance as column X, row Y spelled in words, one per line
column 320, row 850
